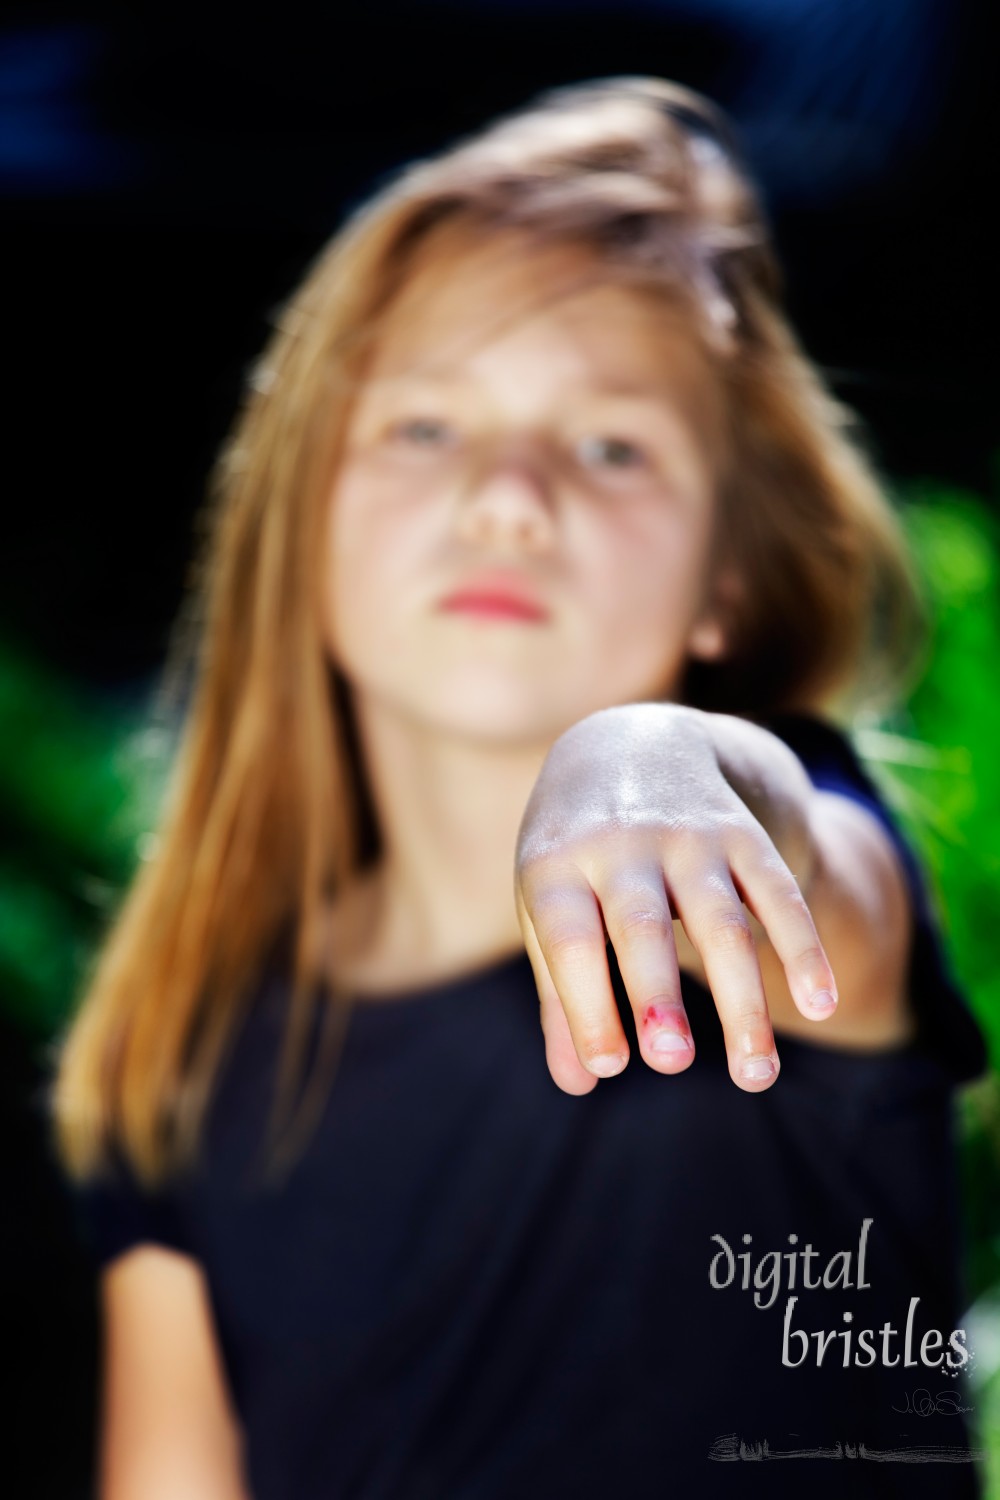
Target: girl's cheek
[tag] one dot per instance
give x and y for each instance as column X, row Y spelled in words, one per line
column 639, row 558
column 387, row 488
column 384, row 536
column 365, row 503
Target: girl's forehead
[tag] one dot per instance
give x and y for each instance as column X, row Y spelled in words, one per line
column 549, row 302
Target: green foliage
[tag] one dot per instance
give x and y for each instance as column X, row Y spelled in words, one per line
column 79, row 788
column 936, row 760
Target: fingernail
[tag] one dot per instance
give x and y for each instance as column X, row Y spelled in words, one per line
column 823, row 1002
column 759, row 1067
column 670, row 1041
column 606, row 1065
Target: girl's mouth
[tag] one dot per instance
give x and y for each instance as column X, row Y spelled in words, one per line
column 495, row 599
column 496, row 605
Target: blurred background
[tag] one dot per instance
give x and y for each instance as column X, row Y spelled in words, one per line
column 165, row 180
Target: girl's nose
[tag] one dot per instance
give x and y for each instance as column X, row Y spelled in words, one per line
column 508, row 499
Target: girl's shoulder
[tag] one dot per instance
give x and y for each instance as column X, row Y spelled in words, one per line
column 116, row 1211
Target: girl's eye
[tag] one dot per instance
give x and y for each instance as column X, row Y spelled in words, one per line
column 421, row 432
column 611, row 453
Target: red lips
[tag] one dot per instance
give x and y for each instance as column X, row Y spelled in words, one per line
column 497, row 596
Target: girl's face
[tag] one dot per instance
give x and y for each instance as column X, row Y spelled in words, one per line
column 519, row 432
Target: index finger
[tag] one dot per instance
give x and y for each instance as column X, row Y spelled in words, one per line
column 712, row 915
column 771, row 893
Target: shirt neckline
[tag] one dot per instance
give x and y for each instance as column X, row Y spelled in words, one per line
column 481, row 977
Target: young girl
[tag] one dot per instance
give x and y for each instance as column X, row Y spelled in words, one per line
column 525, row 1066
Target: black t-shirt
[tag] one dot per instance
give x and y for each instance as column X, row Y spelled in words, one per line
column 473, row 1286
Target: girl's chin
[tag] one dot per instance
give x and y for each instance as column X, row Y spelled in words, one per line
column 499, row 718
column 482, row 701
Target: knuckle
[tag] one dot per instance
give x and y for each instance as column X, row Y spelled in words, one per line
column 550, row 898
column 685, row 844
column 534, row 872
column 750, row 1020
column 773, row 866
column 811, row 954
column 729, row 930
column 790, row 897
column 569, row 944
column 643, row 919
column 741, row 827
column 789, row 905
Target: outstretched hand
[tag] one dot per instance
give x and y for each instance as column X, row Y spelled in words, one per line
column 631, row 822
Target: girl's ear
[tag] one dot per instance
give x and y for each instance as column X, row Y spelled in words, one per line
column 710, row 635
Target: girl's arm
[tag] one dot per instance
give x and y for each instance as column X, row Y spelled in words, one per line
column 167, row 1428
column 639, row 801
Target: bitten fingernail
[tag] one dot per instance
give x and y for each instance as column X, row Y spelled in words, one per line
column 758, row 1067
column 670, row 1041
column 822, row 1002
column 606, row 1065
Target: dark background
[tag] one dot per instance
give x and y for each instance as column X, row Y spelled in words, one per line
column 165, row 180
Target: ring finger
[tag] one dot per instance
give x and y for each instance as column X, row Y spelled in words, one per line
column 640, row 925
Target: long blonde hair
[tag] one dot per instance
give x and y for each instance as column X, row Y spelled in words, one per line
column 266, row 814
